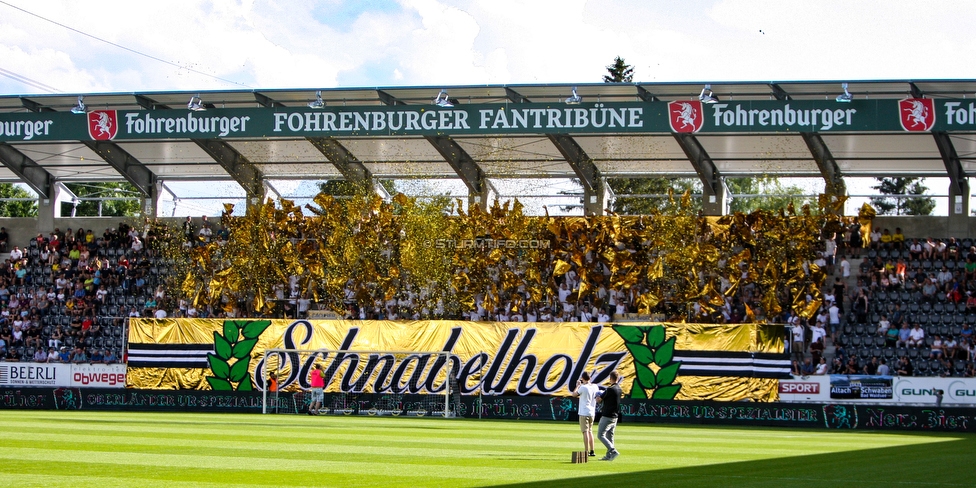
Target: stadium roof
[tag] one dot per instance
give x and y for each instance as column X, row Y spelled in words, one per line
column 497, row 131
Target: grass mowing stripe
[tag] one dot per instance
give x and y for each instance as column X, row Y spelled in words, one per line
column 148, row 450
column 421, row 465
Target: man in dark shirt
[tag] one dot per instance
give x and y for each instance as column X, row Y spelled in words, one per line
column 610, row 411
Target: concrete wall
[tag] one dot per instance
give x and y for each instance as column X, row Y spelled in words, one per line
column 937, row 227
column 22, row 230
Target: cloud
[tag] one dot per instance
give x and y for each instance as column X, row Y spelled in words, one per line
column 311, row 44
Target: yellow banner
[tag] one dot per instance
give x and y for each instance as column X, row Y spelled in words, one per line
column 657, row 360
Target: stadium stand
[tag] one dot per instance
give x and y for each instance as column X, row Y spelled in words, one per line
column 71, row 292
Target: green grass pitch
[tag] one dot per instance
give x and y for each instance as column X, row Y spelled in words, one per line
column 143, row 450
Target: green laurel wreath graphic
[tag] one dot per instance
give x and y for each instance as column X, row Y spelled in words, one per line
column 232, row 354
column 647, row 345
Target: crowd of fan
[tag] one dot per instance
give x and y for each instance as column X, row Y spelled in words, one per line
column 911, row 313
column 64, row 296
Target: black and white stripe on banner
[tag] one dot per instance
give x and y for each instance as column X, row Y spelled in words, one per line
column 726, row 363
column 169, row 355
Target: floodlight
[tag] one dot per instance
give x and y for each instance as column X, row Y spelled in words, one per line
column 707, row 96
column 442, row 101
column 846, row 96
column 80, row 108
column 196, row 104
column 574, row 99
column 318, row 103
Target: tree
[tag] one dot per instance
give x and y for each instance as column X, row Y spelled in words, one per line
column 123, row 200
column 648, row 186
column 774, row 194
column 620, row 72
column 349, row 188
column 16, row 208
column 908, row 200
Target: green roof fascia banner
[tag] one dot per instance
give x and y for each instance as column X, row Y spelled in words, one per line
column 692, row 116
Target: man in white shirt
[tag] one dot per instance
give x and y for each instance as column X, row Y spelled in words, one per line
column 603, row 317
column 916, row 337
column 797, row 332
column 586, row 392
column 585, row 314
column 563, row 292
column 883, row 325
column 845, row 268
column 822, row 367
column 875, row 237
column 818, row 332
column 834, row 313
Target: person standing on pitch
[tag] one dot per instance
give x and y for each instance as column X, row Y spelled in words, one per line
column 609, row 412
column 587, row 393
column 318, row 390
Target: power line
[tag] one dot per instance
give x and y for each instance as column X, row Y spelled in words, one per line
column 28, row 81
column 154, row 58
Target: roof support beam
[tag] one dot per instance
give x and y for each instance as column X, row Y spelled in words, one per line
column 714, row 193
column 148, row 103
column 465, row 167
column 127, row 165
column 34, row 106
column 351, row 168
column 594, row 191
column 514, row 96
column 827, row 164
column 237, row 166
column 914, row 90
column 265, row 101
column 594, row 187
column 459, row 159
column 957, row 176
column 388, row 99
column 958, row 181
column 33, row 174
column 645, row 95
column 829, row 168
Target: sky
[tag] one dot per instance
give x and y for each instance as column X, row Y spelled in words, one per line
column 227, row 44
column 329, row 43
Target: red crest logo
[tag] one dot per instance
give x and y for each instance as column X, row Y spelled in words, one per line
column 916, row 114
column 103, row 124
column 686, row 116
